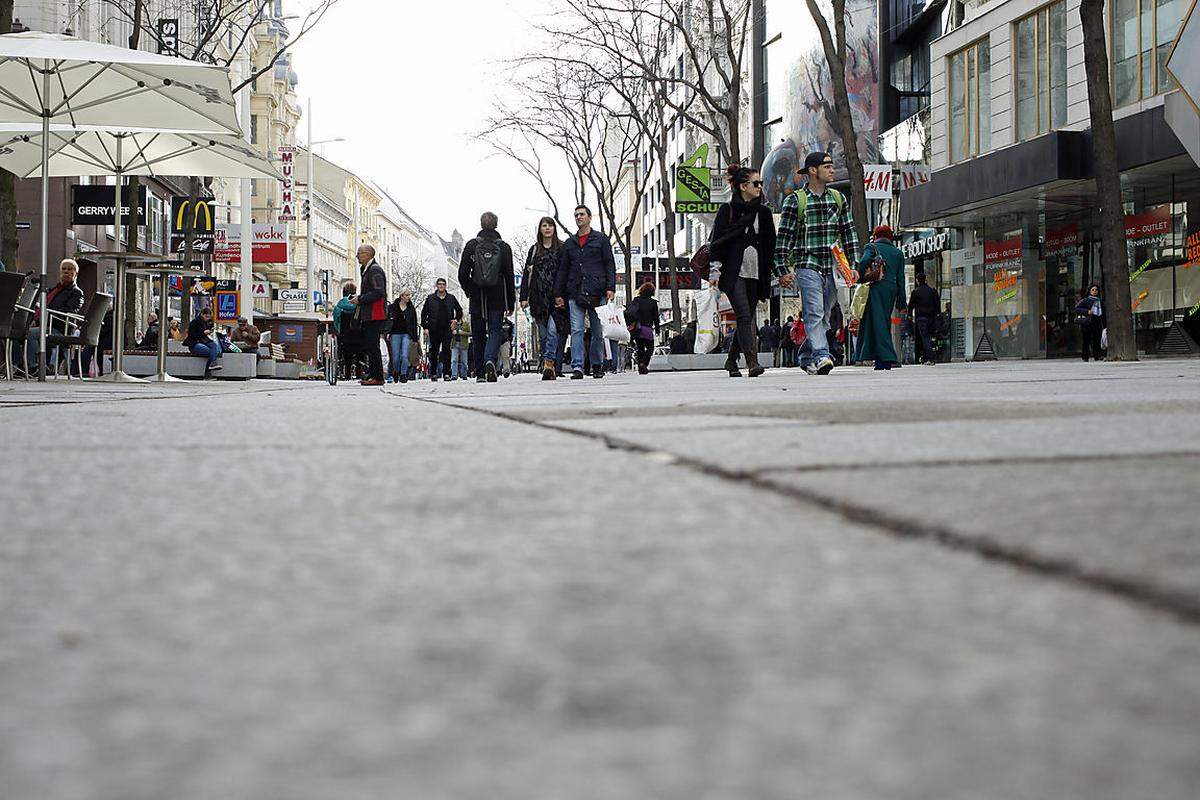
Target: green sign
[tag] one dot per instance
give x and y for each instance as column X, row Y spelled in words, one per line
column 693, row 185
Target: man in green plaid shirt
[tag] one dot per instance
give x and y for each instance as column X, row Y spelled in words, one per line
column 803, row 257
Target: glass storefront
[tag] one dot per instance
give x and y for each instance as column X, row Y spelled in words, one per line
column 1017, row 276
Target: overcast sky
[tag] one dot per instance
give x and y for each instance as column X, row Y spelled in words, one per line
column 408, row 84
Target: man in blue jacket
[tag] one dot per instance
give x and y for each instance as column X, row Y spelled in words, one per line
column 587, row 278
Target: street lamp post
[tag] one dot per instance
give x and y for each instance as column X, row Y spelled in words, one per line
column 309, row 242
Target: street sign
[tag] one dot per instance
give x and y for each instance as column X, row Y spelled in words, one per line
column 693, row 185
column 318, row 298
column 293, row 307
column 23, row 225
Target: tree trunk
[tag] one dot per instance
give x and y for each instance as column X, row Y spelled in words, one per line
column 1114, row 259
column 9, row 242
column 835, row 56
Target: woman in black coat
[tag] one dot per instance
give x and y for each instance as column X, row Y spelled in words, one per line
column 742, row 253
column 643, row 318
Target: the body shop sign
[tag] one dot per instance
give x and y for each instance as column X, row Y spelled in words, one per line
column 1149, row 228
column 1004, row 254
column 270, row 244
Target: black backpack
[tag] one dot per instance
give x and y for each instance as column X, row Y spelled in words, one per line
column 486, row 263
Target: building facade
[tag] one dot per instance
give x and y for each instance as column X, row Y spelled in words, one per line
column 1012, row 175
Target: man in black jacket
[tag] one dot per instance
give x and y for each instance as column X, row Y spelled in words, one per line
column 372, row 311
column 587, row 278
column 440, row 314
column 64, row 296
column 924, row 302
column 486, row 275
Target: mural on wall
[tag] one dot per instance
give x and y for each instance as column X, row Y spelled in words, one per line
column 809, row 120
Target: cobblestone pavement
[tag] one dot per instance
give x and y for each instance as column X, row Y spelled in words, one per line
column 967, row 581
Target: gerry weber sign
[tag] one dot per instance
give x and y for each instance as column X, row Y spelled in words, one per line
column 927, row 246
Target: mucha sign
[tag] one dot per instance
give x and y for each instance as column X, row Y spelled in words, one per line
column 287, row 187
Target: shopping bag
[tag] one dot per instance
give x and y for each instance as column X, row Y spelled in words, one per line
column 707, row 320
column 858, row 304
column 613, row 319
column 1104, row 339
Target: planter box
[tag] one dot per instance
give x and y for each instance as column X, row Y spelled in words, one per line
column 234, row 366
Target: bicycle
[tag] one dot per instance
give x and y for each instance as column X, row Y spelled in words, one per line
column 328, row 348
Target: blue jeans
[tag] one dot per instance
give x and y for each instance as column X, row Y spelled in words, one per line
column 578, row 315
column 491, row 348
column 399, row 345
column 211, row 351
column 458, row 361
column 818, row 294
column 551, row 342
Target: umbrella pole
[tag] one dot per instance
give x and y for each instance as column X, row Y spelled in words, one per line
column 118, row 373
column 162, row 376
column 45, row 220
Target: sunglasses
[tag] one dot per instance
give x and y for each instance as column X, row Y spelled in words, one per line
column 756, row 184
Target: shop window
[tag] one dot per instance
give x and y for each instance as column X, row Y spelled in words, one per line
column 1142, row 34
column 1041, row 79
column 970, row 101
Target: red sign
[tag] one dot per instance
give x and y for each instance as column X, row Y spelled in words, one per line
column 1193, row 250
column 1148, row 228
column 1004, row 253
column 1059, row 240
column 270, row 244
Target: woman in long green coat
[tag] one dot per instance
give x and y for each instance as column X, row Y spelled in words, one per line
column 875, row 328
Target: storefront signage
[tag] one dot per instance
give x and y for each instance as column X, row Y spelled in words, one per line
column 1149, row 228
column 1004, row 254
column 1063, row 240
column 927, row 246
column 168, row 37
column 877, row 180
column 287, row 200
column 1192, row 252
column 291, row 294
column 914, row 175
column 226, row 303
column 270, row 244
column 693, row 185
column 96, row 205
column 291, row 333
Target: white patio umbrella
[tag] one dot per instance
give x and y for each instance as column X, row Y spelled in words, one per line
column 50, row 78
column 106, row 151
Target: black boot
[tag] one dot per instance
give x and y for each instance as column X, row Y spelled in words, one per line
column 732, row 367
column 753, row 368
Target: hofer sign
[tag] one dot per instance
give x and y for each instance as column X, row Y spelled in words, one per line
column 270, row 244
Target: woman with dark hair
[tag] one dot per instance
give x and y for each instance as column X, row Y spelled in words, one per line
column 537, row 295
column 642, row 317
column 743, row 254
column 351, row 342
column 1089, row 313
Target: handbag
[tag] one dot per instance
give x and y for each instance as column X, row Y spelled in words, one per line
column 875, row 270
column 798, row 334
column 645, row 332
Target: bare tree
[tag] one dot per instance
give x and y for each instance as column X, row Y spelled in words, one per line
column 221, row 21
column 413, row 275
column 1114, row 258
column 835, row 49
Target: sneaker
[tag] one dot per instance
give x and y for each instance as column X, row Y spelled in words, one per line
column 480, row 379
column 811, row 369
column 404, row 379
column 489, row 370
column 597, row 372
column 215, row 368
column 433, row 378
column 577, row 375
column 824, row 366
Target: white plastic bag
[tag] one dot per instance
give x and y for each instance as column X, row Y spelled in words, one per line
column 613, row 319
column 707, row 320
column 1104, row 339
